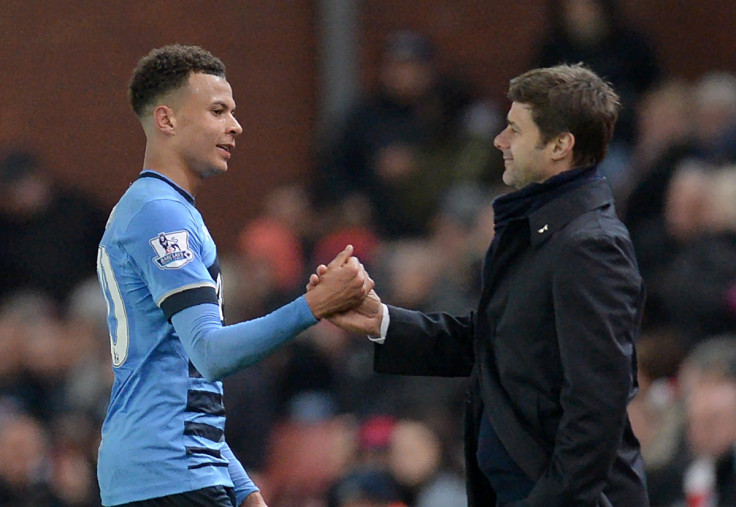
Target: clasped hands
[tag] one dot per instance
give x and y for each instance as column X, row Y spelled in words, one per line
column 342, row 291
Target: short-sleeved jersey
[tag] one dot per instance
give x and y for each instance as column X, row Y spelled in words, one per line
column 164, row 429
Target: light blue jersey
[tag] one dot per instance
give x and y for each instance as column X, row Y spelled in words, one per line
column 164, row 429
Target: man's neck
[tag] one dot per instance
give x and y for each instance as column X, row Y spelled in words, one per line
column 172, row 168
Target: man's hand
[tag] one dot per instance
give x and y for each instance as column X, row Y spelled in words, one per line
column 342, row 285
column 254, row 500
column 363, row 319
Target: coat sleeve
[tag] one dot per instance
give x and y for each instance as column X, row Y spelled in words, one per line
column 434, row 344
column 598, row 295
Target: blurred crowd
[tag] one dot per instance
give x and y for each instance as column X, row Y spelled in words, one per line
column 408, row 177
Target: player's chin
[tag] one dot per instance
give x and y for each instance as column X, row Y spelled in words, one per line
column 214, row 170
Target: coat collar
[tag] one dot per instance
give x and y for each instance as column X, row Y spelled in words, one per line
column 559, row 212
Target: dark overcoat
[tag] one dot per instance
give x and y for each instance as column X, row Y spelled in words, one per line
column 550, row 351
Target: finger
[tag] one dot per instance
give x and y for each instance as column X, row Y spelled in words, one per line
column 361, row 269
column 353, row 263
column 315, row 278
column 367, row 284
column 343, row 256
column 313, row 282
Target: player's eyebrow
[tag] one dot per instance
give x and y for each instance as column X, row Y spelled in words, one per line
column 224, row 104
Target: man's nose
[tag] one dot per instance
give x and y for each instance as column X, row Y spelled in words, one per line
column 500, row 141
column 235, row 128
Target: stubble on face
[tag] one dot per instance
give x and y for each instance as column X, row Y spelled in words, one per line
column 522, row 148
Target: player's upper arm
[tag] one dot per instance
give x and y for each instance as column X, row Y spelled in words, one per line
column 164, row 243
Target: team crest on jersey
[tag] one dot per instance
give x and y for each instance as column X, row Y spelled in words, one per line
column 172, row 249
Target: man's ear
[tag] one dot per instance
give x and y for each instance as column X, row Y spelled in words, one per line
column 163, row 120
column 563, row 146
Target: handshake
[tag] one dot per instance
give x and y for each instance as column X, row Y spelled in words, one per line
column 343, row 293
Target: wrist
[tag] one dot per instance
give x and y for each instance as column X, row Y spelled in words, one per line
column 379, row 332
column 313, row 305
column 253, row 500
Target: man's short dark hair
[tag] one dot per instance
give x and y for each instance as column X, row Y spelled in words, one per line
column 168, row 68
column 570, row 98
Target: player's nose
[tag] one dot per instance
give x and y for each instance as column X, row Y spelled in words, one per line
column 235, row 128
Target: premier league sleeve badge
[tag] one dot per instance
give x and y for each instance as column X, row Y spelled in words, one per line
column 172, row 249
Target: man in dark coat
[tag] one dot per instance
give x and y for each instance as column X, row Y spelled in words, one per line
column 550, row 347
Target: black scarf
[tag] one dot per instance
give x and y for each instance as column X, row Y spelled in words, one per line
column 521, row 203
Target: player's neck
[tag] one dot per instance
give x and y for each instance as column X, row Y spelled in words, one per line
column 173, row 168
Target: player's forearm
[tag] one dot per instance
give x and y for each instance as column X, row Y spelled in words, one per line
column 218, row 351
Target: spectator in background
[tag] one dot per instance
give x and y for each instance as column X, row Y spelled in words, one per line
column 25, row 464
column 309, row 448
column 402, row 145
column 709, row 385
column 715, row 116
column 689, row 125
column 32, row 329
column 49, row 384
column 272, row 250
column 660, row 239
column 49, row 233
column 73, row 457
column 374, row 441
column 664, row 121
column 416, row 460
column 464, row 219
column 665, row 140
column 89, row 378
column 408, row 456
column 696, row 286
column 658, row 417
column 366, row 488
column 678, row 121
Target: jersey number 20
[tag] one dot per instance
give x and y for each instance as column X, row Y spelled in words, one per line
column 116, row 316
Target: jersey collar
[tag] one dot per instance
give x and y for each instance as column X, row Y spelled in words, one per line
column 148, row 173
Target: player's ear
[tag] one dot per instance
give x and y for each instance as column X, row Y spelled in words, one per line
column 563, row 145
column 163, row 119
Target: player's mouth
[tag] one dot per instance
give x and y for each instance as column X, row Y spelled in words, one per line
column 226, row 149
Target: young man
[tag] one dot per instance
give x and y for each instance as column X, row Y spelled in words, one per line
column 163, row 436
column 550, row 348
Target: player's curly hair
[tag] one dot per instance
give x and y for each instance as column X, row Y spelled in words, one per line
column 570, row 98
column 167, row 68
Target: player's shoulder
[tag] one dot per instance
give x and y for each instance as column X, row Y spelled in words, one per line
column 151, row 201
column 145, row 189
